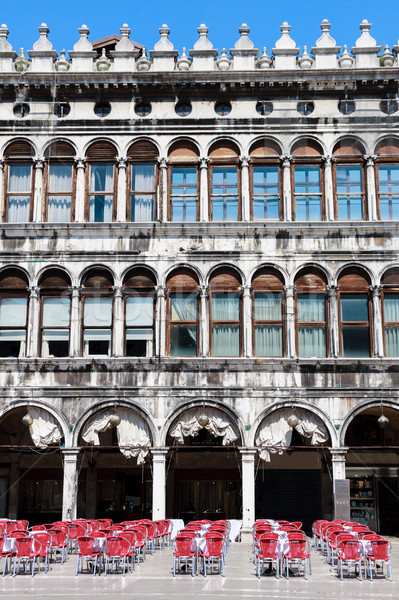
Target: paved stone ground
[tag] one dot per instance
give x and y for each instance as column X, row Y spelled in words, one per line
column 153, row 580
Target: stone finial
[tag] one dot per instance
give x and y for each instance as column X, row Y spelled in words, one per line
column 164, row 43
column 326, row 49
column 22, row 63
column 264, row 61
column 83, row 44
column 244, row 52
column 62, row 65
column 183, row 63
column 124, row 44
column 305, row 61
column 286, row 50
column 42, row 54
column 223, row 62
column 366, row 49
column 7, row 54
column 43, row 43
column 5, row 45
column 103, row 64
column 203, row 43
column 244, row 43
column 203, row 52
column 143, row 63
column 346, row 61
column 83, row 54
column 164, row 55
column 387, row 59
column 125, row 52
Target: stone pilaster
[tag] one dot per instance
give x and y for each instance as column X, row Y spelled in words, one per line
column 287, row 195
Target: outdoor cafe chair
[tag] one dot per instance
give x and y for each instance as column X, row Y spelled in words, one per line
column 380, row 554
column 28, row 550
column 117, row 552
column 183, row 552
column 45, row 539
column 267, row 552
column 86, row 551
column 214, row 550
column 298, row 554
column 349, row 552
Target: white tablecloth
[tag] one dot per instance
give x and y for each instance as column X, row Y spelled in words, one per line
column 177, row 524
column 236, row 525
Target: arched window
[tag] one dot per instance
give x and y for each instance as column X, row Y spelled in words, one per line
column 97, row 313
column 355, row 313
column 60, row 183
column 307, row 182
column 142, row 182
column 311, row 314
column 55, row 313
column 350, row 198
column 387, row 179
column 182, row 311
column 390, row 311
column 139, row 312
column 265, row 181
column 183, row 182
column 13, row 313
column 224, row 182
column 19, row 178
column 268, row 310
column 101, row 182
column 225, row 313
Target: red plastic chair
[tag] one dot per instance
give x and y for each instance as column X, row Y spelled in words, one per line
column 23, row 523
column 75, row 531
column 130, row 536
column 6, row 554
column 151, row 531
column 214, row 550
column 27, row 550
column 297, row 524
column 140, row 542
column 333, row 533
column 160, row 531
column 45, row 540
column 298, row 554
column 183, row 551
column 59, row 541
column 117, row 551
column 316, row 530
column 38, row 528
column 267, row 552
column 86, row 551
column 106, row 522
column 12, row 526
column 380, row 553
column 349, row 552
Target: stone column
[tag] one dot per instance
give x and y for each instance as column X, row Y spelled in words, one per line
column 340, row 484
column 1, row 185
column 70, row 487
column 248, row 491
column 158, row 483
column 121, row 201
column 328, row 188
column 160, row 320
column 245, row 200
column 203, row 291
column 371, row 195
column 204, row 201
column 378, row 342
column 38, row 194
column 162, row 208
column 32, row 344
column 80, row 190
column 332, row 294
column 247, row 319
column 287, row 198
column 118, row 322
column 75, row 327
column 13, row 490
column 290, row 310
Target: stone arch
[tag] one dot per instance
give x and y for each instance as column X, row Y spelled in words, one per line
column 176, row 267
column 53, row 268
column 356, row 265
column 349, row 145
column 215, row 268
column 313, row 145
column 97, row 267
column 280, row 270
column 359, row 409
column 315, row 266
column 99, row 140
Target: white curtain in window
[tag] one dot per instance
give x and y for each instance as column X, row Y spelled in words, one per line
column 311, row 307
column 18, row 209
column 44, row 429
column 225, row 340
column 56, row 312
column 59, row 209
column 143, row 177
column 391, row 308
column 139, row 311
column 392, row 341
column 312, row 341
column 142, row 208
column 225, row 306
column 133, row 433
column 13, row 312
column 219, row 425
column 183, row 307
column 275, row 434
column 267, row 306
column 60, row 178
column 97, row 312
column 268, row 340
column 20, row 179
column 102, row 177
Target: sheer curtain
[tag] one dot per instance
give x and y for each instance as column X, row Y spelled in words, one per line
column 225, row 338
column 312, row 342
column 268, row 340
column 143, row 180
column 391, row 315
column 311, row 308
column 101, row 180
column 19, row 183
column 139, row 311
column 60, row 183
column 225, row 306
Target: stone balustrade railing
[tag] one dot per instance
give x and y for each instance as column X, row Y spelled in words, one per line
column 127, row 57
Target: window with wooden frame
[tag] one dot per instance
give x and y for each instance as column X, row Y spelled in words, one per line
column 183, row 182
column 355, row 314
column 142, row 182
column 265, row 181
column 307, row 181
column 349, row 181
column 312, row 334
column 225, row 313
column 183, row 313
column 55, row 300
column 387, row 179
column 19, row 182
column 139, row 312
column 60, row 182
column 390, row 311
column 224, row 182
column 101, row 183
column 97, row 296
column 268, row 309
column 13, row 313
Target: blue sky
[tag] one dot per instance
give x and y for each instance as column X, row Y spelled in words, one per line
column 223, row 17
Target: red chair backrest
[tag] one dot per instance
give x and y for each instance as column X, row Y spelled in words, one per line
column 140, row 536
column 371, row 537
column 76, row 531
column 130, row 536
column 288, row 528
column 296, row 524
column 116, row 528
column 38, row 528
column 151, row 530
column 214, row 544
column 86, row 544
column 18, row 534
column 380, row 549
column 295, row 535
column 117, row 546
column 183, row 545
column 23, row 523
column 260, row 531
column 106, row 522
column 271, row 535
column 350, row 549
column 26, row 546
column 161, row 526
column 44, row 538
column 297, row 548
column 268, row 545
column 58, row 537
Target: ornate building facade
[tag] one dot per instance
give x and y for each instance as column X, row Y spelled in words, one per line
column 199, row 283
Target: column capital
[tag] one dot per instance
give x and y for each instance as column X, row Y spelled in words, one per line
column 76, row 291
column 289, row 290
column 2, row 163
column 161, row 291
column 80, row 163
column 71, row 453
column 286, row 161
column 328, row 160
column 119, row 291
column 34, row 292
column 163, row 162
column 338, row 454
column 38, row 163
column 332, row 291
column 375, row 290
column 159, row 453
column 370, row 159
column 203, row 162
column 248, row 453
column 244, row 160
column 246, row 290
column 121, row 162
column 203, row 291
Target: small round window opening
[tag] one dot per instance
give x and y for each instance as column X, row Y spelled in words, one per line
column 222, row 109
column 183, row 109
column 305, row 108
column 346, row 107
column 21, row 110
column 264, row 108
column 389, row 106
column 142, row 109
column 62, row 109
column 102, row 109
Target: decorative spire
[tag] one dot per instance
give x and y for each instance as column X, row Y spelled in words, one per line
column 43, row 43
column 183, row 63
column 366, row 48
column 83, row 44
column 164, row 43
column 326, row 49
column 286, row 50
column 203, row 43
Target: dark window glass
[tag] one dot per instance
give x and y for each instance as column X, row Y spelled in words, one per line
column 62, row 109
column 355, row 342
column 142, row 109
column 222, row 109
column 346, row 107
column 102, row 109
column 183, row 109
column 264, row 108
column 389, row 106
column 305, row 108
column 354, row 307
column 21, row 110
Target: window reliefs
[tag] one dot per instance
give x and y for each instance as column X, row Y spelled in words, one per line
column 349, row 177
column 268, row 314
column 224, row 182
column 139, row 313
column 97, row 313
column 307, row 181
column 265, row 182
column 311, row 311
column 55, row 313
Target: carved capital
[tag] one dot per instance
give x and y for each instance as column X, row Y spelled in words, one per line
column 246, row 291
column 370, row 159
column 161, row 291
column 203, row 291
column 286, row 161
column 1, row 164
column 76, row 292
column 34, row 292
column 328, row 160
column 119, row 291
column 163, row 163
column 289, row 291
column 244, row 160
column 121, row 163
column 80, row 163
column 203, row 162
column 38, row 163
column 375, row 290
column 332, row 291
